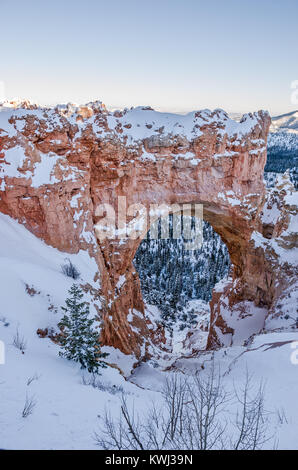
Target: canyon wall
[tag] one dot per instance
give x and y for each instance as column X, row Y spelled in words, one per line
column 59, row 166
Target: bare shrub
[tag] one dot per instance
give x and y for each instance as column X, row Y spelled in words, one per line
column 192, row 415
column 126, row 433
column 32, row 378
column 70, row 270
column 29, row 406
column 4, row 321
column 95, row 382
column 251, row 420
column 19, row 342
column 281, row 416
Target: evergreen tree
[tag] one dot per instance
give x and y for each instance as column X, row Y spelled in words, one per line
column 79, row 340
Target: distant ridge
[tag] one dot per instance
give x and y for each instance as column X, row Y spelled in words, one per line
column 285, row 122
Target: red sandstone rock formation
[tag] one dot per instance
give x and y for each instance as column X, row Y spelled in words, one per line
column 57, row 166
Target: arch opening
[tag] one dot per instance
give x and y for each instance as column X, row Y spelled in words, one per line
column 178, row 281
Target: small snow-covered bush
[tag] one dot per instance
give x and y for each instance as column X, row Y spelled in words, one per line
column 70, row 270
column 95, row 382
column 19, row 341
column 29, row 406
column 4, row 321
column 32, row 378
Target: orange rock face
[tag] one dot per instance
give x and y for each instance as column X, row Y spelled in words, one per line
column 59, row 166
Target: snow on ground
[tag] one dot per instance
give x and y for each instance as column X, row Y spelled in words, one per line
column 67, row 411
column 142, row 122
column 272, row 359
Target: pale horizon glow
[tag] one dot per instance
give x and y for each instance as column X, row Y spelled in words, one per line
column 174, row 55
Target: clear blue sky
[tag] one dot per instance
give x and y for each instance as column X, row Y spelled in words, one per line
column 240, row 55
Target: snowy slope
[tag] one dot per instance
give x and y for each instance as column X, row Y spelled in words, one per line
column 60, row 419
column 271, row 359
column 67, row 412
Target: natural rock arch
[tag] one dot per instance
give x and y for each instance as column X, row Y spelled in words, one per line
column 95, row 156
column 227, row 178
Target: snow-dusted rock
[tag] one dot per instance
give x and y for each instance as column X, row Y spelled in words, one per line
column 57, row 165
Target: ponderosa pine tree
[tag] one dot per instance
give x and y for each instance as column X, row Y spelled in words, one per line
column 79, row 340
